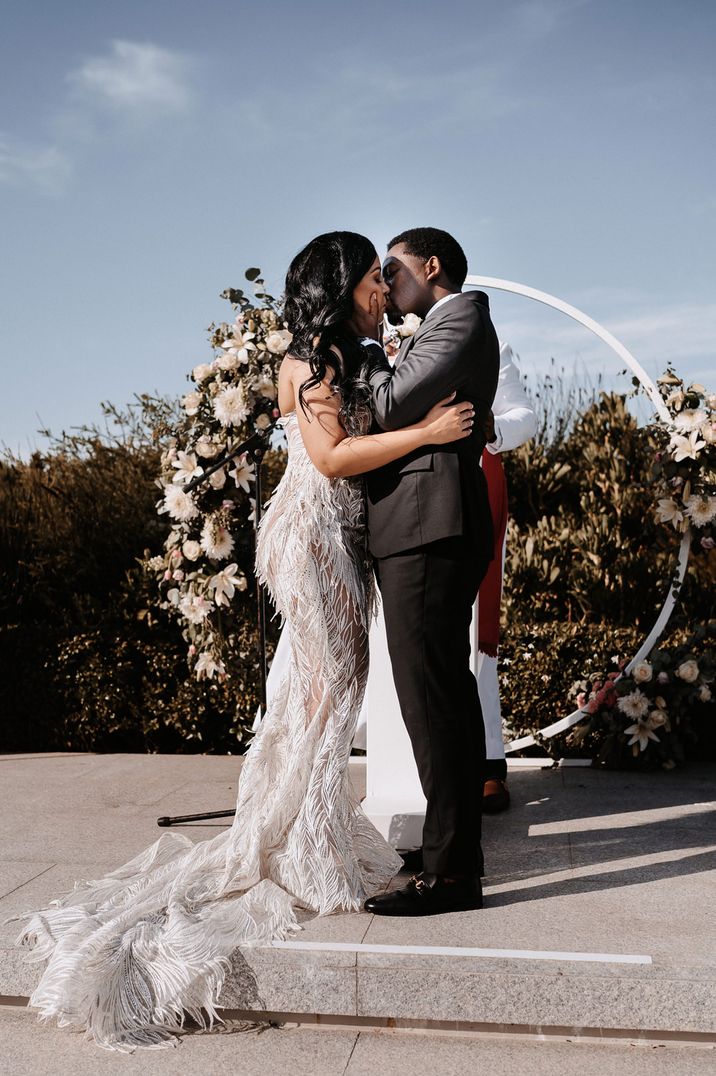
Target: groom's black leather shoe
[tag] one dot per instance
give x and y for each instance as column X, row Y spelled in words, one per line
column 428, row 894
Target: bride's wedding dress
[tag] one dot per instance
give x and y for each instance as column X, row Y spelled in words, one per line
column 131, row 953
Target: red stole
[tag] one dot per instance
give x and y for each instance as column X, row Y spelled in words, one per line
column 490, row 593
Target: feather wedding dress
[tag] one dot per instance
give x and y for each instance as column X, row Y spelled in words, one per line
column 130, row 954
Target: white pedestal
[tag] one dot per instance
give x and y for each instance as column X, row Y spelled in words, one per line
column 394, row 799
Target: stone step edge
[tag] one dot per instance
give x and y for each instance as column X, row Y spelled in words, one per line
column 605, row 1035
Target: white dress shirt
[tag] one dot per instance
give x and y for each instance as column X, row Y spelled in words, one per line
column 515, row 419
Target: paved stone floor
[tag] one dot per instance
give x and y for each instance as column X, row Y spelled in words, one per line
column 584, row 862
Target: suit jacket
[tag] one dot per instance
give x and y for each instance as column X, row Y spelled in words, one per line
column 438, row 490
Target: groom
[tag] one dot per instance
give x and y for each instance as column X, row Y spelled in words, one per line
column 431, row 538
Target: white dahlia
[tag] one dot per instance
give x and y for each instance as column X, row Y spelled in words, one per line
column 216, row 541
column 230, row 406
column 701, row 509
column 690, row 419
column 634, row 705
column 179, row 504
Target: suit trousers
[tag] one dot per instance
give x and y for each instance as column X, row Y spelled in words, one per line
column 428, row 594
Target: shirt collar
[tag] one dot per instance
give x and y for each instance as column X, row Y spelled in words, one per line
column 445, row 299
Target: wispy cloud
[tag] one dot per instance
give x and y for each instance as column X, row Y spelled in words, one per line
column 538, row 18
column 139, row 83
column 682, row 333
column 134, row 78
column 45, row 167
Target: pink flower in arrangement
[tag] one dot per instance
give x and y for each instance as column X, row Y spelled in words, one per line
column 707, row 543
column 167, row 575
column 175, row 554
column 192, row 650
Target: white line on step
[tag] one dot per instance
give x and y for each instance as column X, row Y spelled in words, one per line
column 451, row 950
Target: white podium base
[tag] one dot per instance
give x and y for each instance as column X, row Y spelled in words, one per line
column 399, row 821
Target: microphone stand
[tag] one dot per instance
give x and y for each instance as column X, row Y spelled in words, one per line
column 255, row 446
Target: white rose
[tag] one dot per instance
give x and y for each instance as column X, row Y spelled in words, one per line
column 688, row 671
column 201, row 372
column 704, row 693
column 205, row 447
column 191, row 550
column 278, row 341
column 266, row 388
column 411, row 324
column 227, row 361
column 708, row 432
column 191, row 402
column 263, row 422
column 642, row 672
column 711, row 401
column 218, row 479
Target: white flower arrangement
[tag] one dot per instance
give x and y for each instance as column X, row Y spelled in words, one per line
column 685, row 466
column 231, row 397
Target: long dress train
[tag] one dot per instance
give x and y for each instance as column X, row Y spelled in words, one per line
column 131, row 954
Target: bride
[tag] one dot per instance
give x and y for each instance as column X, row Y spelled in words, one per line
column 131, row 954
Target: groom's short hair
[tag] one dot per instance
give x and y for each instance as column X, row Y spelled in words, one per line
column 426, row 242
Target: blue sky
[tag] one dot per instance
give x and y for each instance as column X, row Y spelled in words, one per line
column 151, row 151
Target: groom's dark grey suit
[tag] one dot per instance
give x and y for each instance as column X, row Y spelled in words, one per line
column 431, row 536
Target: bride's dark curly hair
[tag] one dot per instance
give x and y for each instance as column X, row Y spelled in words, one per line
column 318, row 302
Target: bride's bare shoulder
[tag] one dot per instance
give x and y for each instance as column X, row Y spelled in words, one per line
column 289, row 372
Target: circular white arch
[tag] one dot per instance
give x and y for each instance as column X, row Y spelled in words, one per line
column 654, row 395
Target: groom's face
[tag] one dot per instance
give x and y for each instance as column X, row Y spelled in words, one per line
column 404, row 274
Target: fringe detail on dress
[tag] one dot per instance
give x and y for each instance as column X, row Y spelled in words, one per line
column 132, row 954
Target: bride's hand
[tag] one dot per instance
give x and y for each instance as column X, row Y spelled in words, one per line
column 448, row 421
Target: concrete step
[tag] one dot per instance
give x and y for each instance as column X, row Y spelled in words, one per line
column 598, row 903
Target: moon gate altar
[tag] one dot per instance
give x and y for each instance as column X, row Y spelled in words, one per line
column 394, row 800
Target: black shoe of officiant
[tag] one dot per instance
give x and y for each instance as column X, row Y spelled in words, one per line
column 413, row 861
column 428, row 894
